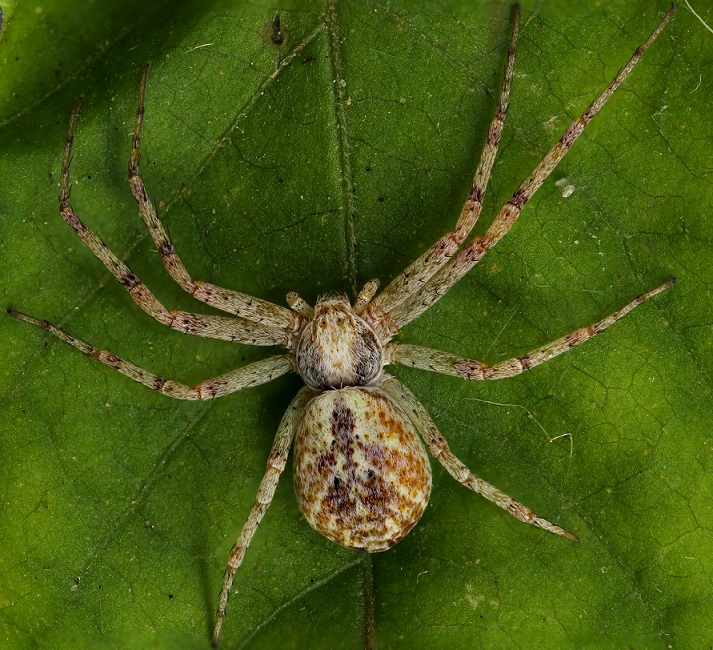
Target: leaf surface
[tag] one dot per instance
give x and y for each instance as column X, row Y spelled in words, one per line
column 121, row 505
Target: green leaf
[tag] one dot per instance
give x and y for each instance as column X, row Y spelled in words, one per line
column 120, row 505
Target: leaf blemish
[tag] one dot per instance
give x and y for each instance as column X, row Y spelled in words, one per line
column 274, row 33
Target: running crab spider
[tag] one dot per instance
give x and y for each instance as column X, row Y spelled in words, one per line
column 362, row 475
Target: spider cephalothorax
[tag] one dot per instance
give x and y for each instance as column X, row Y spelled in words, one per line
column 361, row 472
column 337, row 348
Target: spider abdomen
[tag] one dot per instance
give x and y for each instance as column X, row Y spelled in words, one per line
column 362, row 475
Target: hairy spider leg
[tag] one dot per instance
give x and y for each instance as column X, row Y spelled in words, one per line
column 445, row 363
column 253, row 374
column 471, row 254
column 234, row 302
column 410, row 281
column 275, row 465
column 438, row 446
column 219, row 327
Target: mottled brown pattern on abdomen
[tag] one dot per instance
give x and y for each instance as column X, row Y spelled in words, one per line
column 362, row 475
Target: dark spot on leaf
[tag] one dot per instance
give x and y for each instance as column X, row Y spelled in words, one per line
column 274, row 32
column 277, row 37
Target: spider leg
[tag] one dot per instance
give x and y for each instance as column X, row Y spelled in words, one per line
column 471, row 254
column 439, row 448
column 253, row 374
column 445, row 363
column 219, row 327
column 275, row 465
column 417, row 274
column 234, row 302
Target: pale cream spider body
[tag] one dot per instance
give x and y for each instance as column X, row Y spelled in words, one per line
column 362, row 474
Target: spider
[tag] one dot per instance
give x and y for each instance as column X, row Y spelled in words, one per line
column 361, row 472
